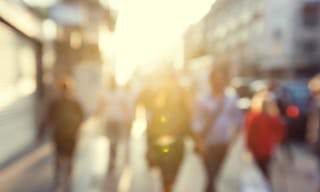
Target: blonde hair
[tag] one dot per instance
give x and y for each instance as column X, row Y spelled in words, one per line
column 265, row 102
column 314, row 84
column 257, row 101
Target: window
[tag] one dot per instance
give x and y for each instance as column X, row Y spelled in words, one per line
column 309, row 47
column 310, row 14
column 18, row 66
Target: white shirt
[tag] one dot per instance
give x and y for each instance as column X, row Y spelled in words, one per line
column 119, row 105
column 226, row 122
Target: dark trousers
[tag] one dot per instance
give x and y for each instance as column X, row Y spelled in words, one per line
column 213, row 160
column 114, row 133
column 263, row 165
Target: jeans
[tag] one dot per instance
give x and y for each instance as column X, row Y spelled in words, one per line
column 213, row 160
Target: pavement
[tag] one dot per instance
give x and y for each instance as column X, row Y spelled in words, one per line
column 34, row 173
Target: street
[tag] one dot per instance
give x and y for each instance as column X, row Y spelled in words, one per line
column 34, row 173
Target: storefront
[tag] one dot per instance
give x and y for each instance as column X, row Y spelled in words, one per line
column 20, row 61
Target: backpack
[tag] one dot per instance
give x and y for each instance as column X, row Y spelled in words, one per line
column 66, row 115
column 168, row 114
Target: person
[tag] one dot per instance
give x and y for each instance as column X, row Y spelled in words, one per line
column 215, row 124
column 118, row 116
column 257, row 101
column 265, row 129
column 168, row 113
column 65, row 116
column 314, row 114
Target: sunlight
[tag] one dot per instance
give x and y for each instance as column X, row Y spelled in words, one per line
column 149, row 30
column 140, row 123
column 106, row 43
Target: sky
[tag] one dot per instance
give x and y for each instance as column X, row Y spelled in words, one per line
column 149, row 30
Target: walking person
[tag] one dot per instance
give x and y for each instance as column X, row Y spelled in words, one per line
column 215, row 124
column 168, row 113
column 314, row 116
column 265, row 130
column 118, row 114
column 64, row 116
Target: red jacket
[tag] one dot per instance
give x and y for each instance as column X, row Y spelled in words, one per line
column 263, row 134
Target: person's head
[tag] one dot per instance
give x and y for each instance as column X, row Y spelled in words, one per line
column 257, row 102
column 271, row 84
column 64, row 85
column 219, row 79
column 314, row 85
column 269, row 105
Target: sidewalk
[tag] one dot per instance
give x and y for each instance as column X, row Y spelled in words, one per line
column 239, row 172
column 190, row 179
column 34, row 173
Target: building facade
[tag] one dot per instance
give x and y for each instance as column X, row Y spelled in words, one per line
column 20, row 79
column 264, row 35
column 80, row 25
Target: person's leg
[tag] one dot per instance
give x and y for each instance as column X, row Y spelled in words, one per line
column 167, row 179
column 69, row 170
column 168, row 187
column 218, row 156
column 263, row 165
column 68, row 154
column 113, row 130
column 213, row 161
column 208, row 163
column 112, row 154
column 57, row 169
column 171, row 166
column 126, row 142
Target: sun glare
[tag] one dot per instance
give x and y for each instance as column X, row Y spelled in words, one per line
column 149, row 30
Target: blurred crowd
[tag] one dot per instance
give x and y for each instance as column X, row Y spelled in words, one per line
column 280, row 126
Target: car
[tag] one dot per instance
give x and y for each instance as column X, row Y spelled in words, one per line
column 246, row 88
column 294, row 102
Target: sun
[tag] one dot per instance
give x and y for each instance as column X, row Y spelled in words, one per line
column 149, row 30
